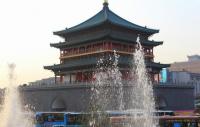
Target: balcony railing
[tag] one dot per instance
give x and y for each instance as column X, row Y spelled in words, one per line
column 99, row 50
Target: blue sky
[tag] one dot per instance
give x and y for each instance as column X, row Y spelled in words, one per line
column 26, row 28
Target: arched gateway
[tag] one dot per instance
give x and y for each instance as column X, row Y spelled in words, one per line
column 58, row 104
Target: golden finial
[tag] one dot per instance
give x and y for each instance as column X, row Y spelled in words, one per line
column 105, row 3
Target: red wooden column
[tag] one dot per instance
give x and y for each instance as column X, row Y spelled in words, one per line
column 158, row 77
column 61, row 78
column 152, row 78
column 79, row 76
column 93, row 76
column 82, row 77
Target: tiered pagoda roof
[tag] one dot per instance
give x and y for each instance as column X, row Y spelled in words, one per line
column 105, row 35
column 105, row 25
column 106, row 16
column 123, row 61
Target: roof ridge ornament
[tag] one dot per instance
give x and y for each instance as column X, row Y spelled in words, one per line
column 105, row 3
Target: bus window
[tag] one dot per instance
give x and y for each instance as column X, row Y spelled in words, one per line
column 177, row 125
column 77, row 119
column 39, row 119
column 50, row 119
column 53, row 117
column 59, row 126
column 164, row 113
column 170, row 113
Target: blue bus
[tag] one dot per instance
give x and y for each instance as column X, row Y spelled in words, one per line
column 179, row 121
column 73, row 119
column 60, row 119
column 107, row 118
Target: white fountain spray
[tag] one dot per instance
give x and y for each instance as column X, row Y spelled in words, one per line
column 109, row 87
column 117, row 82
column 142, row 97
column 12, row 114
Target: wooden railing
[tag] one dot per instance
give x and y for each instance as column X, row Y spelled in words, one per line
column 89, row 52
